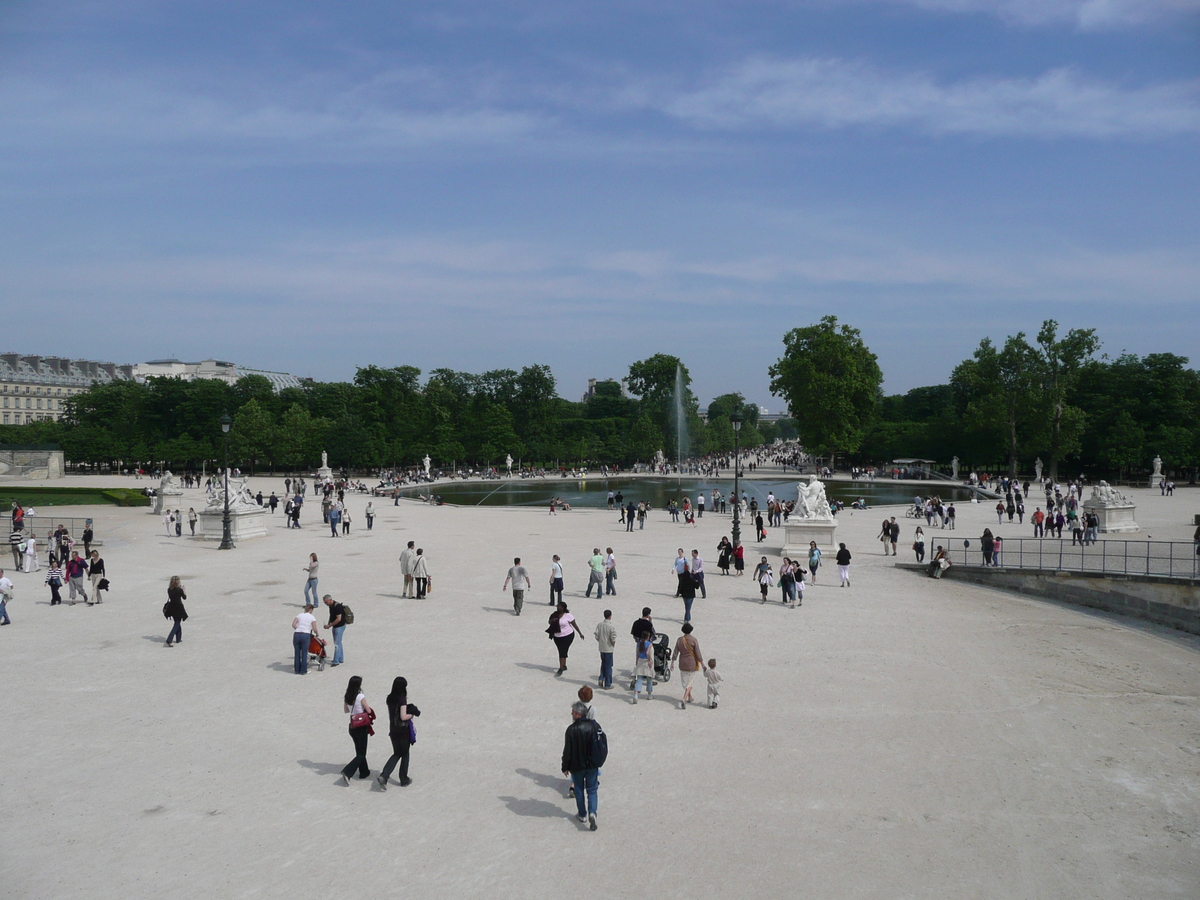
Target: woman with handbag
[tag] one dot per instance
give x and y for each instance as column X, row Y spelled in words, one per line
column 401, row 731
column 174, row 610
column 361, row 716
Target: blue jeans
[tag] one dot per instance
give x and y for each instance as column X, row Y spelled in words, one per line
column 687, row 608
column 609, row 588
column 648, row 681
column 311, row 585
column 4, row 611
column 176, row 632
column 606, row 663
column 586, row 781
column 698, row 577
column 337, row 643
column 300, row 647
column 594, row 578
column 333, row 524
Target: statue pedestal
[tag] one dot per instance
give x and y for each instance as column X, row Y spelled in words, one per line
column 798, row 532
column 1156, row 480
column 325, row 473
column 243, row 523
column 1115, row 518
column 165, row 500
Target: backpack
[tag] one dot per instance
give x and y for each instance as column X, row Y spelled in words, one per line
column 347, row 615
column 598, row 748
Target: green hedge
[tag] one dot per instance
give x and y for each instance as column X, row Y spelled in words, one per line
column 65, row 496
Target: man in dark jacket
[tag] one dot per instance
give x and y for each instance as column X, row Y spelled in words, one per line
column 578, row 764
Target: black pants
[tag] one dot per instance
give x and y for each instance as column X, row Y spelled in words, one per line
column 400, row 751
column 359, row 736
column 421, row 582
column 55, row 596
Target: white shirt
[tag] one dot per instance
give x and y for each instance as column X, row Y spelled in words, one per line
column 305, row 622
column 6, row 586
column 555, row 570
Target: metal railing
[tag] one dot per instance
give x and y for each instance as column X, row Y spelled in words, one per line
column 1168, row 559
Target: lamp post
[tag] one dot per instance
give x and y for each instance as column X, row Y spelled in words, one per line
column 226, row 537
column 736, row 420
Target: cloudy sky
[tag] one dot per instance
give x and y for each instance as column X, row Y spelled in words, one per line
column 311, row 187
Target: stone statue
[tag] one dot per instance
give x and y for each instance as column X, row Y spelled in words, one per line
column 1104, row 493
column 954, row 468
column 1157, row 466
column 426, row 460
column 1037, row 468
column 658, row 458
column 240, row 496
column 324, row 460
column 811, row 502
column 168, row 485
column 508, row 462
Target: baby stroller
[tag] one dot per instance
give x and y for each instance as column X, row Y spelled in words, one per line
column 316, row 652
column 662, row 660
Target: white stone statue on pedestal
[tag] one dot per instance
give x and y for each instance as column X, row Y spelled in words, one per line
column 426, row 460
column 954, row 468
column 811, row 502
column 1157, row 465
column 508, row 462
column 324, row 460
column 658, row 459
column 1037, row 468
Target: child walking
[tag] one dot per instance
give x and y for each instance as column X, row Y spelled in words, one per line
column 714, row 684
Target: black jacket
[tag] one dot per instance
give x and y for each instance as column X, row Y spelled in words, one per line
column 843, row 557
column 577, row 748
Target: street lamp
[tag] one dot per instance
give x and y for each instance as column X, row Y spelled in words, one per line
column 736, row 420
column 226, row 537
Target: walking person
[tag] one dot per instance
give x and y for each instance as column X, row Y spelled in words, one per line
column 54, row 578
column 407, row 556
column 179, row 523
column 96, row 576
column 6, row 594
column 814, row 559
column 643, row 664
column 739, row 558
column 345, row 521
column 698, row 572
column 361, row 716
column 75, row 570
column 519, row 578
column 919, row 544
column 401, row 731
column 192, row 520
column 304, row 626
column 691, row 663
column 687, row 590
column 370, row 515
column 310, row 583
column 16, row 542
column 31, row 557
column 843, row 564
column 610, row 574
column 562, row 630
column 337, row 621
column 724, row 555
column 584, row 752
column 556, row 580
column 679, row 567
column 421, row 574
column 987, row 544
column 893, row 534
column 595, row 573
column 787, row 581
column 174, row 610
column 765, row 578
column 606, row 637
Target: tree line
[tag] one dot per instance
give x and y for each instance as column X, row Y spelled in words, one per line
column 1052, row 397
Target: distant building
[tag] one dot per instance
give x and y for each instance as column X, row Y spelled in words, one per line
column 34, row 388
column 591, row 389
column 215, row 369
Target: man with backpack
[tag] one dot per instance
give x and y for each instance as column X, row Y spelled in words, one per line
column 585, row 751
column 338, row 620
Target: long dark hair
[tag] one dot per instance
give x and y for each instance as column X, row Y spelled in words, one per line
column 399, row 691
column 353, row 688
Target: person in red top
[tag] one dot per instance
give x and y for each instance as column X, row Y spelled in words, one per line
column 1037, row 519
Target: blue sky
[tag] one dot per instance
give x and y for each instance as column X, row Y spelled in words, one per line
column 314, row 187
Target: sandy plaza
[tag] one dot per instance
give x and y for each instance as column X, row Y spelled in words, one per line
column 904, row 737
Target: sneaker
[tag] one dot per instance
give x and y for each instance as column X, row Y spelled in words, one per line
column 582, row 818
column 405, row 782
column 571, row 791
column 635, row 698
column 345, row 777
column 592, row 821
column 382, row 783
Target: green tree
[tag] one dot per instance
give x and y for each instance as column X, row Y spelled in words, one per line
column 830, row 381
column 252, row 436
column 645, row 439
column 1001, row 388
column 1060, row 362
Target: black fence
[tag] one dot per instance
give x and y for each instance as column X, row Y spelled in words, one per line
column 1169, row 559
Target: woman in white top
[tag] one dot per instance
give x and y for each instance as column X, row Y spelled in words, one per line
column 31, row 558
column 421, row 573
column 355, row 703
column 304, row 626
column 563, row 629
column 556, row 581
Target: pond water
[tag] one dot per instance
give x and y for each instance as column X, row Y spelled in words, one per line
column 593, row 492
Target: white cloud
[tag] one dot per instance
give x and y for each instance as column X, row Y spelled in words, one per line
column 834, row 94
column 1088, row 15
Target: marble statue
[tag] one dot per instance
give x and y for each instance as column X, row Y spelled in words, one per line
column 240, row 496
column 954, row 468
column 658, row 459
column 426, row 460
column 324, row 460
column 1157, row 466
column 1037, row 468
column 508, row 462
column 811, row 502
column 168, row 484
column 1106, row 493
